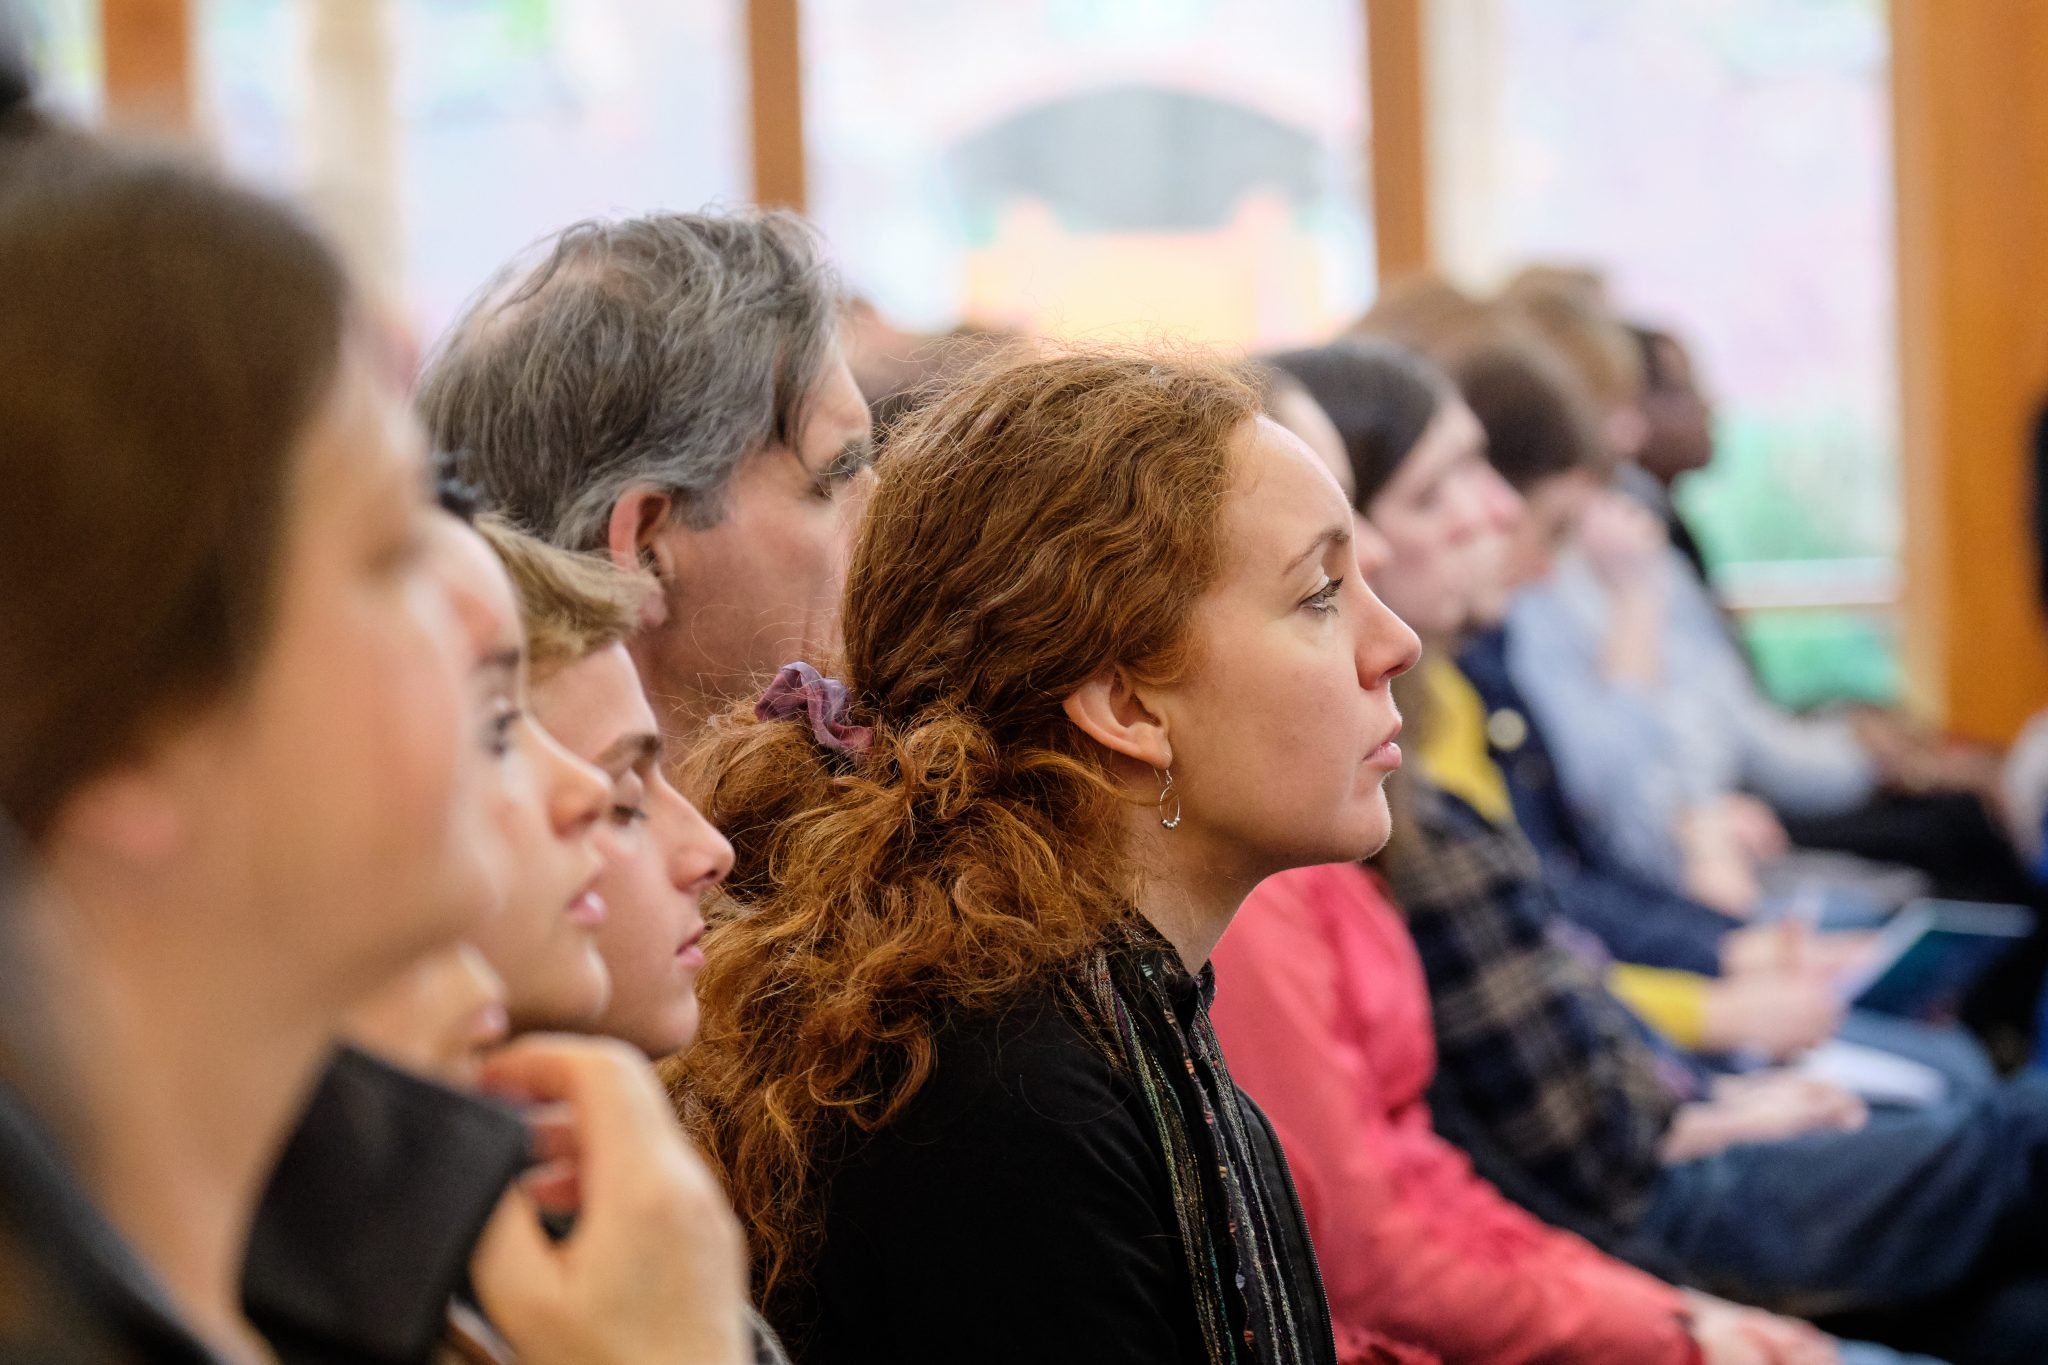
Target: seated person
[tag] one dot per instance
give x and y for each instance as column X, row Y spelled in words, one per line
column 236, row 739
column 1449, row 512
column 1322, row 1009
column 956, row 1063
column 1770, row 1188
column 445, row 1017
column 1780, row 976
column 1724, row 794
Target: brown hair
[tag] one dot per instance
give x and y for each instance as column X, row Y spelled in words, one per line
column 1540, row 422
column 571, row 605
column 1049, row 516
column 164, row 341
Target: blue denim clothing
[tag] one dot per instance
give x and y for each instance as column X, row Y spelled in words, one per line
column 1911, row 1206
column 1532, row 1051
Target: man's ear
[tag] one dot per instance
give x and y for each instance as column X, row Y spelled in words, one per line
column 633, row 534
column 1110, row 710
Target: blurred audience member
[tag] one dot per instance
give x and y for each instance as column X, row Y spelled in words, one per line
column 1322, row 1008
column 235, row 703
column 253, row 803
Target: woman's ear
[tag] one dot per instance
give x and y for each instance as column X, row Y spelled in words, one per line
column 1110, row 711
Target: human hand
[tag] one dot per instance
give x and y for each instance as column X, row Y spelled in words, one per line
column 1767, row 1106
column 1753, row 826
column 1779, row 1014
column 1623, row 542
column 654, row 1269
column 1729, row 1334
column 1718, row 871
column 1775, row 949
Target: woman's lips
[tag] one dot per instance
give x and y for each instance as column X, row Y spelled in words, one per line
column 587, row 910
column 690, row 956
column 1388, row 754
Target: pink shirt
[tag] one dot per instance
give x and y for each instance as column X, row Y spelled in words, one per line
column 1324, row 1016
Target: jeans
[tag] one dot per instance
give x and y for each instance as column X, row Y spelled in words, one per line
column 1867, row 1353
column 1915, row 1204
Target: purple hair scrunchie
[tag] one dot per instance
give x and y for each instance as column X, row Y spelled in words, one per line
column 799, row 689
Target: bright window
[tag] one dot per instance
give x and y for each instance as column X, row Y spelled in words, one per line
column 1065, row 166
column 517, row 118
column 1728, row 163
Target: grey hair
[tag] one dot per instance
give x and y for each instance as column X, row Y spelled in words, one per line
column 661, row 350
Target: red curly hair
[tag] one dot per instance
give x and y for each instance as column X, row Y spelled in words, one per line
column 1047, row 517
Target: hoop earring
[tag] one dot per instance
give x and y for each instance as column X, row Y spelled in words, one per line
column 1166, row 789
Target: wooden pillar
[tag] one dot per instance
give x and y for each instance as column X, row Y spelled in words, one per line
column 1970, row 121
column 349, row 138
column 151, row 82
column 1400, row 135
column 776, row 98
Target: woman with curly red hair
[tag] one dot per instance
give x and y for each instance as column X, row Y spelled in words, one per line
column 1108, row 664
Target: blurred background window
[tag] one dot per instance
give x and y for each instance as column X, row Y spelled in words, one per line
column 514, row 118
column 1727, row 163
column 1191, row 167
column 1073, row 167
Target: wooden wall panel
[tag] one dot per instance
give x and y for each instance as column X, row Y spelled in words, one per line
column 1399, row 135
column 776, row 97
column 1970, row 114
column 151, row 80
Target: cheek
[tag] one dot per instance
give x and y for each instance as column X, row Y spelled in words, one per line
column 518, row 818
column 644, row 925
column 375, row 716
column 1282, row 724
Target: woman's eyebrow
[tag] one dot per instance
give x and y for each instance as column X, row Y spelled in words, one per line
column 1331, row 536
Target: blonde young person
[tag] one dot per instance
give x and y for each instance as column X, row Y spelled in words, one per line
column 661, row 857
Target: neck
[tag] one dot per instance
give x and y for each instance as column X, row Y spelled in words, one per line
column 681, row 701
column 1188, row 895
column 184, row 1066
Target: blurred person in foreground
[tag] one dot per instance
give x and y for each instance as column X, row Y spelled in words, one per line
column 250, row 791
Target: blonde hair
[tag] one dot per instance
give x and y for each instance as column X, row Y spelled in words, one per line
column 571, row 605
column 1568, row 308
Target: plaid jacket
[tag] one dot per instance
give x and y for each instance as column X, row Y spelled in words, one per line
column 1563, row 1080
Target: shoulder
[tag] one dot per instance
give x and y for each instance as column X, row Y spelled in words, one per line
column 1015, row 1076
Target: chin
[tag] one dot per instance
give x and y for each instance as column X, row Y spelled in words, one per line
column 1371, row 831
